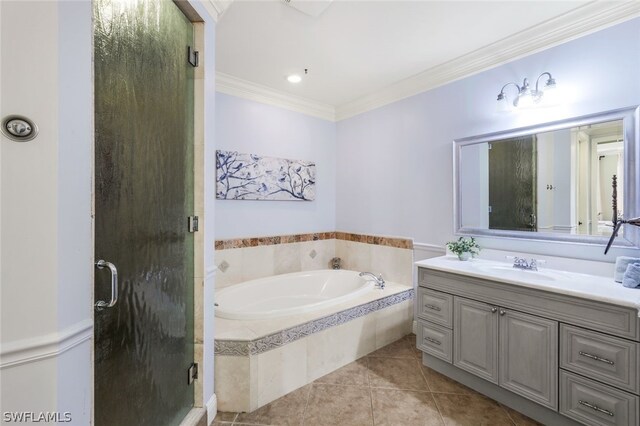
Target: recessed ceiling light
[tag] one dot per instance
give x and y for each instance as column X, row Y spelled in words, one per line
column 294, row 78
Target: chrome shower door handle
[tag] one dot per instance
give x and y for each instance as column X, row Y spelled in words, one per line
column 101, row 304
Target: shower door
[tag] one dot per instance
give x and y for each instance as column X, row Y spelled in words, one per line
column 512, row 184
column 143, row 197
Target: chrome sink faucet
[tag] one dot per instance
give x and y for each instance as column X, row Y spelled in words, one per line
column 377, row 278
column 522, row 263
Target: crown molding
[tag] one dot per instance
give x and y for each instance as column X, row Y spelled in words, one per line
column 235, row 86
column 578, row 22
column 216, row 7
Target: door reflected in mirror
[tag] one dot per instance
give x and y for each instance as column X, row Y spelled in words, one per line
column 565, row 181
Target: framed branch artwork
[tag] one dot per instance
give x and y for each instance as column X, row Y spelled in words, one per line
column 255, row 177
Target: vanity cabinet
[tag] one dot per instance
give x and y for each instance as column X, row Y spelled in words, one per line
column 475, row 332
column 515, row 350
column 529, row 356
column 575, row 357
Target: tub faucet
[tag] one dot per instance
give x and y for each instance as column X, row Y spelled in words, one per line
column 378, row 278
column 336, row 263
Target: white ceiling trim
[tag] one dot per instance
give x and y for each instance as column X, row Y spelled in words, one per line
column 587, row 19
column 216, row 7
column 234, row 86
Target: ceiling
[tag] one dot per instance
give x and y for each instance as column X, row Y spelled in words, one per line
column 356, row 48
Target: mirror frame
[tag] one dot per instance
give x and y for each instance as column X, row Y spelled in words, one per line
column 630, row 118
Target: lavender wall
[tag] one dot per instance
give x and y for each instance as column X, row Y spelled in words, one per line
column 252, row 127
column 394, row 164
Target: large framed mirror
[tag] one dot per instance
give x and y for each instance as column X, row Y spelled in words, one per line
column 563, row 181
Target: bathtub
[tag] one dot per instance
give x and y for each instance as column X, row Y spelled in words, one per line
column 289, row 294
column 276, row 334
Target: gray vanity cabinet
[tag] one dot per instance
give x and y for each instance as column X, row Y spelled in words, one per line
column 475, row 338
column 518, row 351
column 529, row 356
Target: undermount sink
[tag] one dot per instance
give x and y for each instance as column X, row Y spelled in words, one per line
column 511, row 272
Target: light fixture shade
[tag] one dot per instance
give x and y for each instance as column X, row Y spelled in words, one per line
column 551, row 94
column 524, row 100
column 294, row 78
column 503, row 104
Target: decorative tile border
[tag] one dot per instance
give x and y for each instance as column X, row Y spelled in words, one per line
column 268, row 241
column 283, row 337
column 404, row 243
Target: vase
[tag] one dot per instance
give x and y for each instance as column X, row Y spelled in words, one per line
column 464, row 256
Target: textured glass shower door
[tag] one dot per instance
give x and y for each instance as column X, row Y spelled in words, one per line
column 143, row 197
column 512, row 184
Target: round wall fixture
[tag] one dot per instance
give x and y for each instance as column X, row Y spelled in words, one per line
column 19, row 128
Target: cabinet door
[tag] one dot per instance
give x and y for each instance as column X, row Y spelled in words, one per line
column 475, row 331
column 529, row 357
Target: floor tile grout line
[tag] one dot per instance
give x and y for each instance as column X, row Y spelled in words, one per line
column 508, row 415
column 431, row 392
column 306, row 404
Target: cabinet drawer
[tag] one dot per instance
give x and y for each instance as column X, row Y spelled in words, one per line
column 600, row 357
column 593, row 403
column 435, row 340
column 435, row 306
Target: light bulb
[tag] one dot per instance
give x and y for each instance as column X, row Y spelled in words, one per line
column 294, row 78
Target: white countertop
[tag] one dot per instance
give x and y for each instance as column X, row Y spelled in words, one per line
column 591, row 287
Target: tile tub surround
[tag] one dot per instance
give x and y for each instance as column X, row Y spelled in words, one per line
column 388, row 387
column 260, row 361
column 244, row 259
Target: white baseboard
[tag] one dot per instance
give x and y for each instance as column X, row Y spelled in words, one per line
column 212, row 408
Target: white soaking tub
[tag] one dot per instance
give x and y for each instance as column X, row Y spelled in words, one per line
column 288, row 294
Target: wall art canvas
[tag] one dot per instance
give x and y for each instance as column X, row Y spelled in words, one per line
column 255, row 177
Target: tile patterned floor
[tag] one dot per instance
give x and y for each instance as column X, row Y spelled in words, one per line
column 388, row 387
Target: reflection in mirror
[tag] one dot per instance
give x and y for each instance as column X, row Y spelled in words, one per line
column 563, row 180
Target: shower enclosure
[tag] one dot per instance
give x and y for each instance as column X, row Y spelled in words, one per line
column 143, row 198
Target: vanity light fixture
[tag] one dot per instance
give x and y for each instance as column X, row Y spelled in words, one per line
column 526, row 96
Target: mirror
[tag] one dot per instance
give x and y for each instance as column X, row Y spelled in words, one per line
column 560, row 181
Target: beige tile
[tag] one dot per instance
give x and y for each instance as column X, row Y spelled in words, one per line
column 235, row 383
column 233, row 273
column 324, row 252
column 399, row 349
column 396, row 373
column 358, row 256
column 520, row 419
column 395, row 264
column 341, row 251
column 198, row 310
column 402, row 407
column 257, row 262
column 411, row 339
column 337, row 346
column 353, row 374
column 198, row 358
column 287, row 410
column 442, row 384
column 286, row 258
column 226, row 416
column 338, row 405
column 393, row 323
column 281, row 370
column 470, row 410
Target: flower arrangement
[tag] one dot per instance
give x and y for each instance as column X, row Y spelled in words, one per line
column 465, row 248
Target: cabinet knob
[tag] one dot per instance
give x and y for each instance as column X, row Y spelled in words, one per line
column 494, row 310
column 502, row 312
